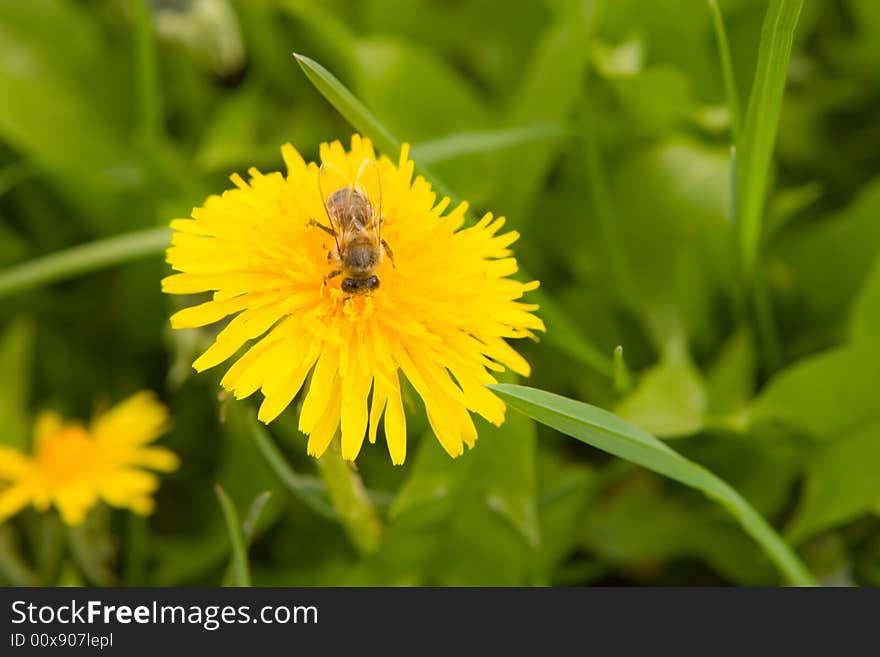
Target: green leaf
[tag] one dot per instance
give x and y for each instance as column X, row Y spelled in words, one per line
column 499, row 471
column 670, row 398
column 787, row 204
column 731, row 380
column 549, row 91
column 676, row 230
column 240, row 565
column 841, row 484
column 55, row 108
column 654, row 100
column 469, row 520
column 16, row 355
column 609, row 433
column 565, row 489
column 864, row 319
column 758, row 137
column 846, row 243
column 671, row 527
column 473, row 519
column 827, row 395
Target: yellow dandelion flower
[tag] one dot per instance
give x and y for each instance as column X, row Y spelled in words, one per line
column 432, row 302
column 73, row 467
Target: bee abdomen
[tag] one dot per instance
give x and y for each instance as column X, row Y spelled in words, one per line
column 361, row 256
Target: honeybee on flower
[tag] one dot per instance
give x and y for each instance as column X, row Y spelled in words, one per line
column 347, row 314
column 355, row 214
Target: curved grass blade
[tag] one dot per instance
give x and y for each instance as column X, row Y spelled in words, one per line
column 240, row 568
column 606, row 431
column 83, row 259
column 345, row 102
column 574, row 343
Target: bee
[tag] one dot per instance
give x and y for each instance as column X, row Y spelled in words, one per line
column 355, row 215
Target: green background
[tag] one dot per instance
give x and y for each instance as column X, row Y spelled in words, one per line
column 602, row 130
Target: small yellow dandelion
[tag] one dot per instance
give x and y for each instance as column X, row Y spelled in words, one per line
column 352, row 273
column 73, row 467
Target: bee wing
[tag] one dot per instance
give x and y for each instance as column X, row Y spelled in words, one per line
column 367, row 183
column 330, row 179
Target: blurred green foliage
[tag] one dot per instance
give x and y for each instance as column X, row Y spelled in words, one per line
column 601, row 130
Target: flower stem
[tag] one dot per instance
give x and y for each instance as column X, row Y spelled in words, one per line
column 83, row 259
column 346, row 489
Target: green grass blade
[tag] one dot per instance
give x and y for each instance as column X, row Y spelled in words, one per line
column 345, row 102
column 575, row 344
column 308, row 489
column 248, row 529
column 606, row 431
column 490, row 141
column 726, row 69
column 357, row 114
column 252, row 517
column 149, row 99
column 83, row 259
column 241, row 569
column 758, row 137
column 623, row 379
column 754, row 152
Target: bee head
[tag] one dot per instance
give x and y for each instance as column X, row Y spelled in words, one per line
column 359, row 285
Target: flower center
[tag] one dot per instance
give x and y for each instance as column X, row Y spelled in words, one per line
column 66, row 455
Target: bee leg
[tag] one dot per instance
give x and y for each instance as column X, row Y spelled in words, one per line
column 389, row 252
column 332, row 274
column 326, row 229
